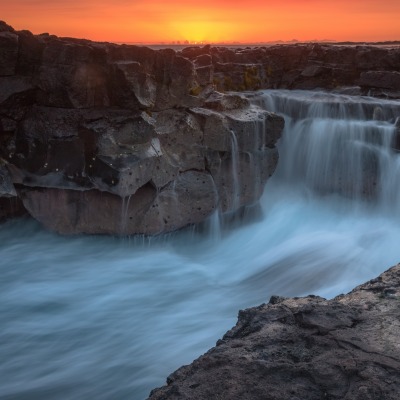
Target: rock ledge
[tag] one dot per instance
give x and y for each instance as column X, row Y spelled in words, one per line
column 309, row 348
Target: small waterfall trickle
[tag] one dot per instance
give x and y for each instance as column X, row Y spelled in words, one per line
column 213, row 226
column 254, row 158
column 124, row 214
column 235, row 203
column 171, row 215
column 214, row 223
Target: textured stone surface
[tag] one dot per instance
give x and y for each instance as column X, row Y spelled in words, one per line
column 309, row 348
column 120, row 152
column 389, row 80
column 306, row 66
column 101, row 138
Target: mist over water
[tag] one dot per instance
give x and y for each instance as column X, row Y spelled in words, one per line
column 109, row 318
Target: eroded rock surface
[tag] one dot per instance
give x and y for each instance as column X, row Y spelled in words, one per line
column 309, row 348
column 102, row 138
column 159, row 173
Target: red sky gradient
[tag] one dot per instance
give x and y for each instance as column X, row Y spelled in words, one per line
column 207, row 20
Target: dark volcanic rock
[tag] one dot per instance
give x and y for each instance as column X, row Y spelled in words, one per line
column 101, row 138
column 377, row 80
column 10, row 204
column 118, row 121
column 8, row 53
column 307, row 66
column 11, row 207
column 66, row 162
column 307, row 348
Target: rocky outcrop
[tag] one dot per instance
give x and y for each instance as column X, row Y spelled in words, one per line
column 373, row 70
column 102, row 138
column 304, row 348
column 116, row 172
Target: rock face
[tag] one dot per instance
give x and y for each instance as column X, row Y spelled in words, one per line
column 101, row 138
column 304, row 348
column 10, row 204
column 106, row 138
column 373, row 70
column 114, row 172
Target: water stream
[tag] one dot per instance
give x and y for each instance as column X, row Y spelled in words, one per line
column 107, row 318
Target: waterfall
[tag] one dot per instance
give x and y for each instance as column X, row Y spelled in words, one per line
column 213, row 224
column 338, row 144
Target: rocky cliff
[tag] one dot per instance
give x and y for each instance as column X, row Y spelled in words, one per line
column 370, row 70
column 106, row 138
column 307, row 348
column 101, row 138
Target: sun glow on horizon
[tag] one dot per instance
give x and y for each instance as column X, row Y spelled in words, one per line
column 201, row 31
column 210, row 21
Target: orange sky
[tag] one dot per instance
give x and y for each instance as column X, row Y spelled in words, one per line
column 207, row 20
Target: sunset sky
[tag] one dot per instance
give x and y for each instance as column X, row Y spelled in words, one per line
column 207, row 20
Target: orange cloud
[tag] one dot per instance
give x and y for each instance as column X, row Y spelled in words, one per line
column 211, row 20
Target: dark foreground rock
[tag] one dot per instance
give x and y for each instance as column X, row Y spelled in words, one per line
column 304, row 349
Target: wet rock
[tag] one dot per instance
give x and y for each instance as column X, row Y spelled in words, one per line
column 10, row 205
column 6, row 185
column 172, row 154
column 189, row 199
column 306, row 348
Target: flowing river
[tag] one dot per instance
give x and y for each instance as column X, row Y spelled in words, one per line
column 92, row 317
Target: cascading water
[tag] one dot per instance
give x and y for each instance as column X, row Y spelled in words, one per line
column 124, row 213
column 235, row 176
column 101, row 317
column 334, row 144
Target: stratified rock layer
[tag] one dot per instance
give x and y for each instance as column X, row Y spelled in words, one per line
column 347, row 348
